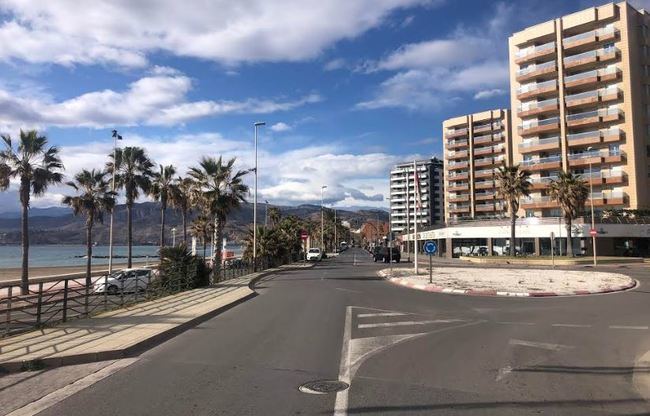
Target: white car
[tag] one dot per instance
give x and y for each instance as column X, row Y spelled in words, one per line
column 314, row 254
column 124, row 281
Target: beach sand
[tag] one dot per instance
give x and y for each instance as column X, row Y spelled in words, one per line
column 14, row 273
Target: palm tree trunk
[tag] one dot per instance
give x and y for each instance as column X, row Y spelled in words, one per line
column 24, row 275
column 219, row 245
column 89, row 248
column 513, row 225
column 569, row 239
column 162, row 225
column 205, row 245
column 129, row 234
column 184, row 214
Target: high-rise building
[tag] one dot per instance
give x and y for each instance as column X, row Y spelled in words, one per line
column 580, row 99
column 475, row 145
column 403, row 203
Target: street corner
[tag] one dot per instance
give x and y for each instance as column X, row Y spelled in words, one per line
column 521, row 283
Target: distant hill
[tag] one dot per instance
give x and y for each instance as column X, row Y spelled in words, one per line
column 57, row 225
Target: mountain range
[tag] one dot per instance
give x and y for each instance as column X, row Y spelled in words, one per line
column 57, row 225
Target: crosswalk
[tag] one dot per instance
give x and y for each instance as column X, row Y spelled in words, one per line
column 369, row 322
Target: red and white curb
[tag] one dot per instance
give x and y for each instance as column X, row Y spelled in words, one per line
column 493, row 292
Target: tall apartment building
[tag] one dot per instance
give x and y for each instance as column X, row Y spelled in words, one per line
column 402, row 195
column 475, row 146
column 580, row 98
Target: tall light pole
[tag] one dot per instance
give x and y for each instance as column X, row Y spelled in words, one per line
column 266, row 214
column 256, row 125
column 174, row 237
column 322, row 219
column 591, row 200
column 116, row 137
column 336, row 242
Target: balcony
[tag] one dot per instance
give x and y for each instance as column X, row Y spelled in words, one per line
column 488, row 150
column 594, row 137
column 452, row 133
column 594, row 117
column 457, row 209
column 488, row 161
column 592, row 97
column 534, row 52
column 487, row 127
column 587, row 58
column 541, row 182
column 540, row 126
column 484, row 173
column 490, row 207
column 538, row 202
column 538, row 145
column 537, row 89
column 457, row 155
column 458, row 198
column 537, row 107
column 458, row 175
column 587, row 38
column 607, row 198
column 484, row 196
column 457, row 144
column 457, row 165
column 543, row 163
column 484, row 185
column 591, row 77
column 536, row 70
column 453, row 188
column 595, row 157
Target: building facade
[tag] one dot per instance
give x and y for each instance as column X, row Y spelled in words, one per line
column 580, row 100
column 475, row 146
column 403, row 212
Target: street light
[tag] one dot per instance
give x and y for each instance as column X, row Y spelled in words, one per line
column 174, row 237
column 116, row 137
column 591, row 202
column 322, row 218
column 255, row 125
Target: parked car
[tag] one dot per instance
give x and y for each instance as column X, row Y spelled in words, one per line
column 125, row 281
column 391, row 253
column 314, row 254
column 377, row 254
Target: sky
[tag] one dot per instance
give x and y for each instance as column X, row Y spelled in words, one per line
column 346, row 88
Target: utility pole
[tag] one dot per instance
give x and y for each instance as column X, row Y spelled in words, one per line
column 408, row 216
column 116, row 137
column 256, row 125
column 322, row 219
column 591, row 200
column 415, row 228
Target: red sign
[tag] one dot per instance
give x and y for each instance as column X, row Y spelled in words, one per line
column 593, row 232
column 304, row 235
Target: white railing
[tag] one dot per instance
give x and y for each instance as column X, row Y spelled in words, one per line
column 597, row 113
column 548, row 159
column 536, row 142
column 534, row 49
column 585, row 35
column 536, row 123
column 532, row 105
column 535, row 86
column 536, row 67
column 590, row 54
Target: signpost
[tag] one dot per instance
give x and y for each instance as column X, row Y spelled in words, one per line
column 430, row 247
column 304, row 236
column 593, row 233
column 553, row 249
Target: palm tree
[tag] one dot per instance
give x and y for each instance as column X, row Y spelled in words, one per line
column 202, row 228
column 37, row 166
column 133, row 173
column 94, row 199
column 274, row 216
column 514, row 183
column 181, row 199
column 162, row 189
column 571, row 192
column 222, row 190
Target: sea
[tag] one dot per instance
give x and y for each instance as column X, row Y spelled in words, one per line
column 73, row 255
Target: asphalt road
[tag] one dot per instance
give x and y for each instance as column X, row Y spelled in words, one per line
column 403, row 351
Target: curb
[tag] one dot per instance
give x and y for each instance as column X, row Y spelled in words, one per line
column 493, row 292
column 143, row 345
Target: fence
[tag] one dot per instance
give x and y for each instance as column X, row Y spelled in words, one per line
column 64, row 298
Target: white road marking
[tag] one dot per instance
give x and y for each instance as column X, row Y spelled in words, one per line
column 627, row 327
column 372, row 315
column 63, row 393
column 408, row 323
column 503, row 372
column 542, row 345
column 515, row 323
column 341, row 402
column 571, row 325
column 347, row 290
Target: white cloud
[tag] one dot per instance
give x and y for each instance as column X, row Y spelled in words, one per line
column 280, row 127
column 334, row 64
column 157, row 99
column 70, row 32
column 485, row 94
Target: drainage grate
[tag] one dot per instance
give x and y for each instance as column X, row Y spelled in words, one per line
column 323, row 386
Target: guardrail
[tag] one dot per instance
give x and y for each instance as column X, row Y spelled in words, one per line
column 60, row 299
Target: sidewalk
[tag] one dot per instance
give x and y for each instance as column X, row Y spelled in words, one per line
column 128, row 331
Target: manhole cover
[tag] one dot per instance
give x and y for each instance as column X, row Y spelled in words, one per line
column 323, row 386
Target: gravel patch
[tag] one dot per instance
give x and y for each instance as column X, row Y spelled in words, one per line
column 560, row 282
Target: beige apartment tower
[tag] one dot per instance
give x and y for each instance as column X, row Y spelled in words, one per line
column 475, row 146
column 580, row 95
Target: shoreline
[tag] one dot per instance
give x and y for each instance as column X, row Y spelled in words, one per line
column 12, row 273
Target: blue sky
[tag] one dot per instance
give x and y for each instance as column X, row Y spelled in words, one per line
column 347, row 88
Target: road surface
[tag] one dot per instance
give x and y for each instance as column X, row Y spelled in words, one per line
column 403, row 352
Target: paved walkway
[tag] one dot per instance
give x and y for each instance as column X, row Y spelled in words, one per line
column 127, row 331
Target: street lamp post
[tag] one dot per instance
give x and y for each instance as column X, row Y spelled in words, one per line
column 591, row 202
column 256, row 125
column 174, row 237
column 322, row 219
column 116, row 137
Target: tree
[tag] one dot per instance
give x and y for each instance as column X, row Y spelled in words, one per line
column 274, row 216
column 37, row 166
column 93, row 199
column 162, row 189
column 513, row 183
column 221, row 189
column 571, row 193
column 180, row 198
column 133, row 173
column 202, row 228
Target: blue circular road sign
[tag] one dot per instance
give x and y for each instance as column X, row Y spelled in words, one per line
column 430, row 247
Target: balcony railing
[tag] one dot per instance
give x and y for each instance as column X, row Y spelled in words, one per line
column 522, row 53
column 590, row 74
column 592, row 94
column 544, row 179
column 595, row 153
column 533, row 105
column 591, row 33
column 537, row 123
column 588, row 55
column 548, row 159
column 537, row 67
column 538, row 142
column 597, row 113
column 535, row 86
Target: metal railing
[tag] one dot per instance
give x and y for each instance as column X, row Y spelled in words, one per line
column 590, row 54
column 533, row 68
column 533, row 105
column 548, row 159
column 60, row 299
column 535, row 86
column 534, row 49
column 586, row 35
column 536, row 142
